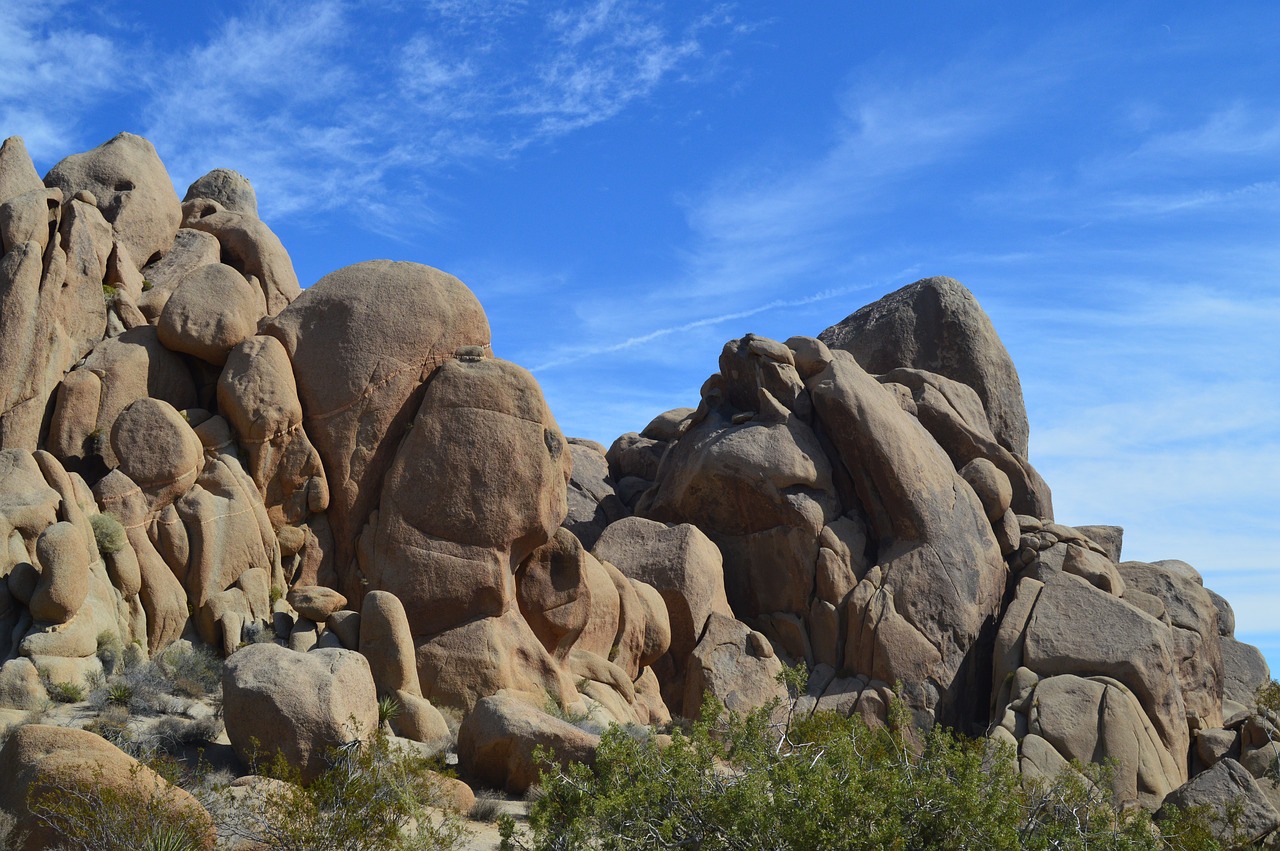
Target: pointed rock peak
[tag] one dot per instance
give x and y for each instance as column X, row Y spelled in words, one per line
column 17, row 175
column 936, row 324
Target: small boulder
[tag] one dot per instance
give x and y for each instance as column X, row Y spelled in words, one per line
column 1227, row 787
column 315, row 602
column 300, row 704
column 40, row 760
column 229, row 188
column 211, row 312
column 498, row 737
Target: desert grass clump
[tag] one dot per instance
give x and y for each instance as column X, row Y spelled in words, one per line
column 108, row 533
column 172, row 735
column 66, row 692
column 192, row 671
column 488, row 806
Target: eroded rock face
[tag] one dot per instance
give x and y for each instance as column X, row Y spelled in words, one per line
column 131, row 188
column 362, row 341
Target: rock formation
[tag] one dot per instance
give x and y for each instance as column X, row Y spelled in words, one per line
column 343, row 477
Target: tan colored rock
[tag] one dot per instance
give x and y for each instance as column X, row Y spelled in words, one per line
column 680, row 563
column 163, row 598
column 497, row 739
column 315, row 602
column 20, row 685
column 419, row 720
column 345, row 624
column 1061, row 638
column 554, row 594
column 210, row 312
column 251, row 247
column 936, row 324
column 991, row 485
column 1197, row 643
column 733, row 663
column 132, row 189
column 1109, row 538
column 120, row 370
column 299, row 704
column 64, row 574
column 51, row 315
column 482, row 657
column 1224, row 788
column 592, row 502
column 222, row 532
column 258, row 395
column 229, row 188
column 449, row 535
column 669, row 425
column 387, row 642
column 1097, row 719
column 941, row 573
column 191, row 249
column 361, row 341
column 17, row 174
column 954, row 415
column 1244, row 671
column 39, row 760
column 156, row 448
column 30, row 217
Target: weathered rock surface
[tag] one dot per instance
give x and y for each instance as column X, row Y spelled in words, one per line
column 497, row 740
column 1225, row 787
column 299, row 704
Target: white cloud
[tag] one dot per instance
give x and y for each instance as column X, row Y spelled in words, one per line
column 49, row 71
column 297, row 96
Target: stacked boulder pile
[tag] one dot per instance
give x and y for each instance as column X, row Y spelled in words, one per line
column 344, row 492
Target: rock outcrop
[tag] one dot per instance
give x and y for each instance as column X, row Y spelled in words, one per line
column 344, row 491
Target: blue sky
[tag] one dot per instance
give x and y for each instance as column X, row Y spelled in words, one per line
column 628, row 185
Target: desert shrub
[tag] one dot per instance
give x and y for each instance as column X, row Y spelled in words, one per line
column 193, row 672
column 108, row 533
column 741, row 782
column 112, row 724
column 66, row 692
column 11, row 838
column 96, row 816
column 373, row 796
column 488, row 806
column 170, row 735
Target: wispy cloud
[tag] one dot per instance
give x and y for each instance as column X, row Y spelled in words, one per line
column 325, row 106
column 50, row 71
column 575, row 355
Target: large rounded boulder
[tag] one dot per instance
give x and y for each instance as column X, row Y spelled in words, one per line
column 302, row 705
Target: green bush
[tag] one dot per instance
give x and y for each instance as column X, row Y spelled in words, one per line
column 108, row 533
column 373, row 796
column 66, row 692
column 829, row 782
